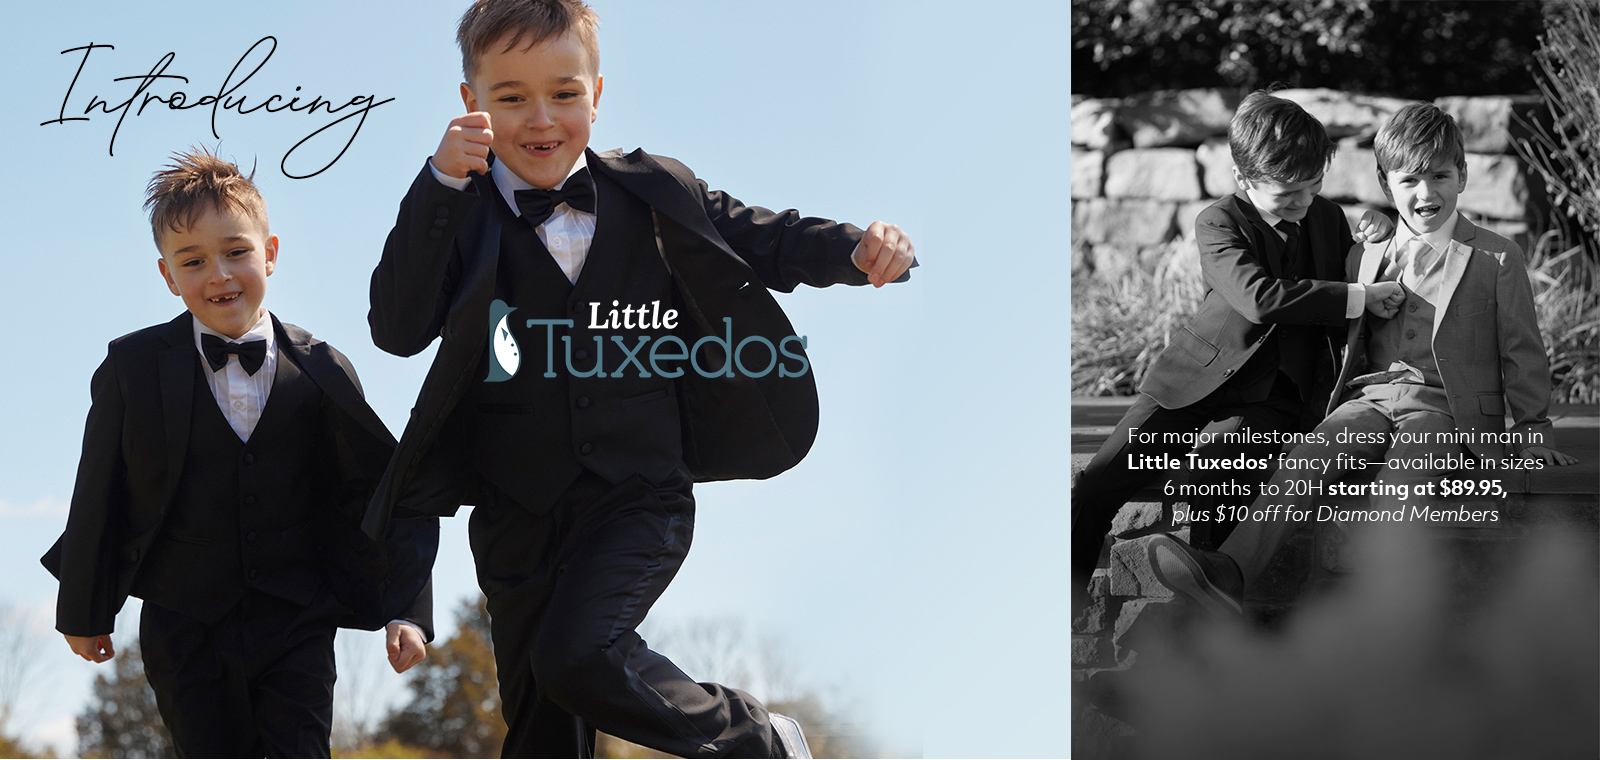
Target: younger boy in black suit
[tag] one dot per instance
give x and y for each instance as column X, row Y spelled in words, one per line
column 226, row 461
column 1260, row 351
column 577, row 443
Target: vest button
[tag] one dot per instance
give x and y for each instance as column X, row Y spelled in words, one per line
column 254, row 574
column 249, row 500
column 1227, row 372
column 249, row 458
column 586, row 448
column 133, row 555
column 1413, row 308
column 583, row 402
column 582, row 353
column 1411, row 334
column 442, row 212
column 251, row 536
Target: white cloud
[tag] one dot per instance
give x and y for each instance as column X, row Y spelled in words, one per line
column 48, row 506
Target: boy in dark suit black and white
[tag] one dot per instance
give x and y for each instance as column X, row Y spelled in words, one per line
column 1260, row 352
column 580, row 465
column 226, row 461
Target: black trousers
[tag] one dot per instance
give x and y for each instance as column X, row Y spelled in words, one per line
column 1107, row 482
column 567, row 589
column 257, row 683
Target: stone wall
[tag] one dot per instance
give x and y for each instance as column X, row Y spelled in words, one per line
column 1143, row 167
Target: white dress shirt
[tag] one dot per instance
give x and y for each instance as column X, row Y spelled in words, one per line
column 241, row 396
column 568, row 232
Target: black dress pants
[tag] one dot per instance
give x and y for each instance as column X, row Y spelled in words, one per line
column 567, row 588
column 1107, row 482
column 257, row 683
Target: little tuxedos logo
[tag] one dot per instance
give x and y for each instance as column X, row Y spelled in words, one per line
column 506, row 354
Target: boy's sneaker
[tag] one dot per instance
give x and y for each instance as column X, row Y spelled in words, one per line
column 790, row 741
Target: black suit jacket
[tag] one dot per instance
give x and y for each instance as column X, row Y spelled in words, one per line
column 134, row 445
column 1248, row 297
column 437, row 276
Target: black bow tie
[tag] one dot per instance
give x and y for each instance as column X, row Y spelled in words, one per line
column 251, row 353
column 537, row 204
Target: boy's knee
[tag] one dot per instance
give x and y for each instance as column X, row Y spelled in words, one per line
column 570, row 673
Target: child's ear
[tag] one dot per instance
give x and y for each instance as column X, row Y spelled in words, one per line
column 1238, row 178
column 271, row 254
column 166, row 274
column 1383, row 184
column 468, row 99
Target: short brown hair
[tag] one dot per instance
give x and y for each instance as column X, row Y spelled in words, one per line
column 197, row 180
column 488, row 21
column 1415, row 137
column 1274, row 139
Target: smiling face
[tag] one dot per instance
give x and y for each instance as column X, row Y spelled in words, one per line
column 541, row 101
column 219, row 266
column 1426, row 197
column 1285, row 200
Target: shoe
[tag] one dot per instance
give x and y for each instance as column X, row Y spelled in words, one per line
column 789, row 739
column 1209, row 579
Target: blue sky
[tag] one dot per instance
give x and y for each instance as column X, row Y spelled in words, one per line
column 916, row 561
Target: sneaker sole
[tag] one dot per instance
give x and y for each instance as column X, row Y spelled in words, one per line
column 1192, row 584
column 788, row 730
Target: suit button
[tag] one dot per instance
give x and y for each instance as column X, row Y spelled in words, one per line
column 249, row 500
column 436, row 233
column 583, row 402
column 586, row 448
column 1411, row 334
column 442, row 212
column 1413, row 308
column 1227, row 372
column 440, row 222
column 253, row 575
column 581, row 353
column 577, row 308
column 251, row 536
column 133, row 555
column 249, row 458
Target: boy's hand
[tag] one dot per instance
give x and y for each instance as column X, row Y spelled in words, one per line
column 465, row 146
column 1374, row 227
column 1547, row 455
column 406, row 647
column 884, row 253
column 1384, row 298
column 92, row 648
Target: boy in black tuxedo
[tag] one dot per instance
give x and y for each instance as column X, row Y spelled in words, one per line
column 1260, row 353
column 226, row 461
column 578, row 436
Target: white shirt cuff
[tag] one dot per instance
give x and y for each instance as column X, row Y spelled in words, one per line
column 1355, row 300
column 447, row 180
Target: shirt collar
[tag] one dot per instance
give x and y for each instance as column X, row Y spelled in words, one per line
column 509, row 183
column 1439, row 239
column 261, row 330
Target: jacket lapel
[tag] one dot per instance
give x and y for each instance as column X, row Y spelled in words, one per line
column 177, row 367
column 316, row 359
column 643, row 176
column 1456, row 256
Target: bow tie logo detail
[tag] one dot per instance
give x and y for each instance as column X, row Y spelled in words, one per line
column 251, row 353
column 537, row 205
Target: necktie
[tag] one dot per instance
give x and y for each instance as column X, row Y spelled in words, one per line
column 537, row 205
column 1421, row 256
column 1291, row 250
column 251, row 353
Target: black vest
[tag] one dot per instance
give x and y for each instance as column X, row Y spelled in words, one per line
column 531, row 435
column 241, row 513
column 1292, row 349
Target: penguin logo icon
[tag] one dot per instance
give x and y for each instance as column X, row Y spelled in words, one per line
column 507, row 357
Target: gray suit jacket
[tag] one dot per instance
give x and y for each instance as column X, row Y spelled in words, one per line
column 1485, row 338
